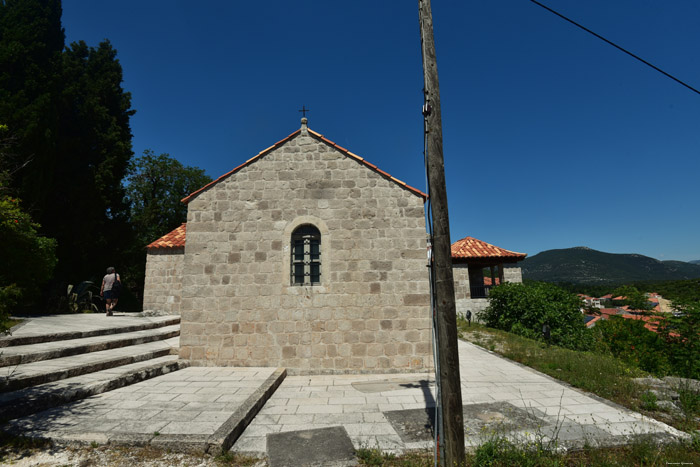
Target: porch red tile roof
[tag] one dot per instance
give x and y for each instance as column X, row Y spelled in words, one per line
column 470, row 247
column 174, row 239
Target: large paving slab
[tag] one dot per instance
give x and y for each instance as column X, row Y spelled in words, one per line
column 191, row 409
column 394, row 412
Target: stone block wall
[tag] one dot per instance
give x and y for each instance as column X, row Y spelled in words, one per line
column 463, row 300
column 370, row 313
column 512, row 273
column 163, row 283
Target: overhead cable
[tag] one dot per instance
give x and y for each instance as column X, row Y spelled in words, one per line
column 617, row 46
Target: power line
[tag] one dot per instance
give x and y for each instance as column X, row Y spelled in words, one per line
column 617, row 46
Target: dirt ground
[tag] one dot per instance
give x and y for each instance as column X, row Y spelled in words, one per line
column 116, row 456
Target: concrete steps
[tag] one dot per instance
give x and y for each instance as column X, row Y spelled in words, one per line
column 41, row 368
column 34, row 399
column 23, row 354
column 37, row 336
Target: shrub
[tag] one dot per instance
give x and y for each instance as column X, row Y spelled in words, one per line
column 630, row 341
column 26, row 258
column 525, row 308
column 683, row 345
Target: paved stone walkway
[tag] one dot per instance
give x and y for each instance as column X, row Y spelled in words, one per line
column 389, row 411
column 392, row 412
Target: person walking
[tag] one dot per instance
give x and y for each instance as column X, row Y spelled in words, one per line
column 111, row 286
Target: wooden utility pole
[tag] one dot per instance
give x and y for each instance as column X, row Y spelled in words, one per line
column 448, row 352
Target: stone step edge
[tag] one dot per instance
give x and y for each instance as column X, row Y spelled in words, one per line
column 21, row 406
column 10, row 341
column 219, row 442
column 92, row 367
column 37, row 356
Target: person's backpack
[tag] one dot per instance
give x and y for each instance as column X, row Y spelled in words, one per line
column 117, row 286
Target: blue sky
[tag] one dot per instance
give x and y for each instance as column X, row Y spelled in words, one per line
column 552, row 138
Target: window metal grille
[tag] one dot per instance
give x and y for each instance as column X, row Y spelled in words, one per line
column 306, row 256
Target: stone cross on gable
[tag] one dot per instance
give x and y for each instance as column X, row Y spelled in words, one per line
column 304, row 110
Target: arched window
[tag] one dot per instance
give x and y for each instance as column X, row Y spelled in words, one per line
column 306, row 255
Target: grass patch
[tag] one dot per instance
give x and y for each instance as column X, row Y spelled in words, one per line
column 649, row 401
column 376, row 457
column 234, row 458
column 9, row 323
column 500, row 452
column 10, row 444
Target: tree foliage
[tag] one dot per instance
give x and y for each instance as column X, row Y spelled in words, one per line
column 525, row 308
column 631, row 341
column 94, row 153
column 155, row 188
column 27, row 259
column 682, row 334
column 70, row 117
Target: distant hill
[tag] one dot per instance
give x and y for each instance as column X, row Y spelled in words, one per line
column 695, row 261
column 583, row 265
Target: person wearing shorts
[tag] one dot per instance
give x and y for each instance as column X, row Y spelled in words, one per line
column 111, row 296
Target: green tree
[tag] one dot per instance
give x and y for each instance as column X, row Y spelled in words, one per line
column 26, row 258
column 70, row 117
column 155, row 188
column 89, row 216
column 629, row 340
column 681, row 332
column 525, row 308
column 31, row 43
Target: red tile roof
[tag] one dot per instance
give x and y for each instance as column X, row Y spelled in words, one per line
column 592, row 322
column 650, row 322
column 320, row 137
column 174, row 239
column 470, row 247
column 488, row 281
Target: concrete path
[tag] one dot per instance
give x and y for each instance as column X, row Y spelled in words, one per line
column 389, row 411
column 199, row 407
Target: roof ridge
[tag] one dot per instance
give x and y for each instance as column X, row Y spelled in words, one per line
column 187, row 198
column 368, row 164
column 470, row 247
column 319, row 136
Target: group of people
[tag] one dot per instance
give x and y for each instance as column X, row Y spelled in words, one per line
column 111, row 286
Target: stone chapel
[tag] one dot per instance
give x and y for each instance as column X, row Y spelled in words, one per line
column 305, row 256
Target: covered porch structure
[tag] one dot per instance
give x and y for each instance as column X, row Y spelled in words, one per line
column 478, row 266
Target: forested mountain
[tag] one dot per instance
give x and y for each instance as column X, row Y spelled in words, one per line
column 586, row 266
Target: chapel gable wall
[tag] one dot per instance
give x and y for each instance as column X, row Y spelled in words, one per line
column 370, row 312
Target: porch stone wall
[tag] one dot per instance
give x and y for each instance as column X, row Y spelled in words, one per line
column 463, row 300
column 370, row 313
column 163, row 282
column 512, row 273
